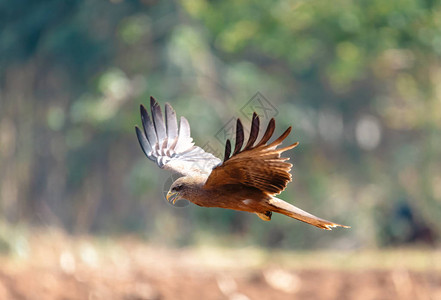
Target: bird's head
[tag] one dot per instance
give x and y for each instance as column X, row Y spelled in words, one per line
column 184, row 188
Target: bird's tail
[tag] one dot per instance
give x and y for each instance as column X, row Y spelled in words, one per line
column 282, row 207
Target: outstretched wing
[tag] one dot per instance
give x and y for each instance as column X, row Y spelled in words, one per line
column 172, row 148
column 259, row 166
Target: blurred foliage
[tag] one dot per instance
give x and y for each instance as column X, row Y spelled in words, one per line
column 358, row 80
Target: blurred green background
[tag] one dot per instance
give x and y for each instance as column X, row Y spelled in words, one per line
column 359, row 81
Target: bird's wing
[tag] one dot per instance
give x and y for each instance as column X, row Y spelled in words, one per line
column 172, row 148
column 259, row 166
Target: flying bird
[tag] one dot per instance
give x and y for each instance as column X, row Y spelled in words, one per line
column 246, row 180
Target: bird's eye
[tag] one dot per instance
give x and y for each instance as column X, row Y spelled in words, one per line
column 177, row 188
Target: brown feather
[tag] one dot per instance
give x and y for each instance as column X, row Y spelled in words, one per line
column 239, row 137
column 257, row 166
column 283, row 207
column 247, row 180
column 254, row 132
column 268, row 133
column 227, row 150
column 279, row 140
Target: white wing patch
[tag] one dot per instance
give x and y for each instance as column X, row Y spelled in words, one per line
column 170, row 147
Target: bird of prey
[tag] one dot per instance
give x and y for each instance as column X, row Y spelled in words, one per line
column 246, row 180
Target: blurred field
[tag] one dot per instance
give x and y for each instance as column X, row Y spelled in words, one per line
column 359, row 81
column 58, row 266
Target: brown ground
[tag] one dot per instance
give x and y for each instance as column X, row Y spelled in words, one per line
column 52, row 266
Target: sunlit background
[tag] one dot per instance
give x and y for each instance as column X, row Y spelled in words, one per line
column 359, row 81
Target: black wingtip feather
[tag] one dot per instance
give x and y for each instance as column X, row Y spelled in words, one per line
column 280, row 139
column 254, row 132
column 153, row 101
column 268, row 133
column 142, row 110
column 144, row 116
column 156, row 110
column 227, row 150
column 239, row 137
column 148, row 126
column 154, row 106
column 158, row 120
column 142, row 141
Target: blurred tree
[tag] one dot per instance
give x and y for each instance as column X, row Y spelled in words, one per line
column 359, row 80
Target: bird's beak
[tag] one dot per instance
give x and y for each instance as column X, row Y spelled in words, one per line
column 172, row 197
